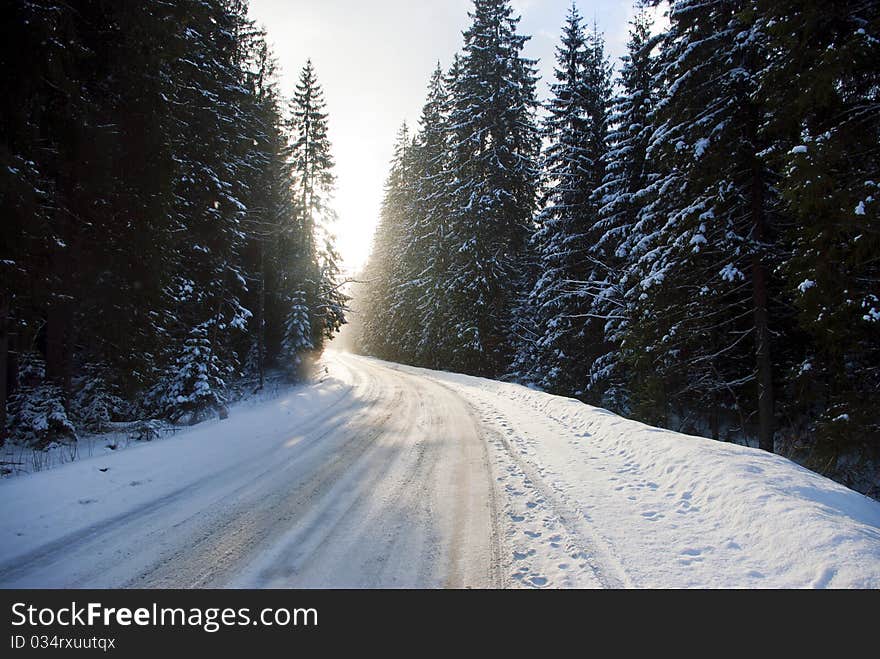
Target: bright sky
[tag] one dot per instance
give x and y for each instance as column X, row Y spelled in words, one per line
column 373, row 59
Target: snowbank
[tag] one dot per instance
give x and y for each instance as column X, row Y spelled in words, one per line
column 671, row 510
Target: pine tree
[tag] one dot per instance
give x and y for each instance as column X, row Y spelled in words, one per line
column 297, row 336
column 828, row 154
column 576, row 135
column 432, row 246
column 701, row 330
column 496, row 145
column 271, row 221
column 627, row 172
column 420, row 253
column 383, row 271
column 199, row 383
column 205, row 294
column 313, row 269
column 333, row 300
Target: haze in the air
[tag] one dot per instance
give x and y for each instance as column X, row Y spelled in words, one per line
column 374, row 60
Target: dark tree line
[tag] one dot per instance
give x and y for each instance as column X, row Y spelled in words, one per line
column 696, row 244
column 163, row 214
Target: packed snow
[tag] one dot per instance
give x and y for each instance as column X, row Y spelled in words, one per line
column 387, row 475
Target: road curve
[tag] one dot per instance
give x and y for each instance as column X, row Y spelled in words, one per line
column 387, row 484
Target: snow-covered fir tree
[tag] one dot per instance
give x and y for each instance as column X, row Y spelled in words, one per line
column 333, row 300
column 828, row 157
column 570, row 273
column 434, row 245
column 297, row 337
column 700, row 336
column 269, row 216
column 384, row 270
column 419, row 250
column 627, row 173
column 493, row 183
column 204, row 294
column 197, row 385
column 313, row 262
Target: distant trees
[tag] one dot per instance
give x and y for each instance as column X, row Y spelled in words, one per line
column 145, row 170
column 384, row 300
column 481, row 195
column 703, row 252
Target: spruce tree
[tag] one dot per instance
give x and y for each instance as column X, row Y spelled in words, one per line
column 493, row 189
column 627, row 172
column 313, row 270
column 270, row 223
column 205, row 294
column 575, row 132
column 828, row 154
column 700, row 336
column 431, row 226
column 383, row 272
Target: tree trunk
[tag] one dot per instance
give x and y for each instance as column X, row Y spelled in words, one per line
column 4, row 351
column 261, row 321
column 58, row 343
column 766, row 421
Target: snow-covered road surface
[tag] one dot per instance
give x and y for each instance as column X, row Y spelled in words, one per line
column 381, row 475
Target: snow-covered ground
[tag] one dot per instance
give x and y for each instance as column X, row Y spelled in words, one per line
column 18, row 459
column 385, row 475
column 647, row 507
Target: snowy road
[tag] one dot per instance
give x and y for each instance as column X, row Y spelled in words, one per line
column 381, row 479
column 387, row 476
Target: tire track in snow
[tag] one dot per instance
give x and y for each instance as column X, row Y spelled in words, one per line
column 546, row 532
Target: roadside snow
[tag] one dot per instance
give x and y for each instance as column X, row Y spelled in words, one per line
column 17, row 459
column 662, row 509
